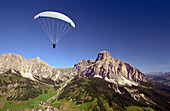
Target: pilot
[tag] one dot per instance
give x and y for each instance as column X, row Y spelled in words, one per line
column 54, row 45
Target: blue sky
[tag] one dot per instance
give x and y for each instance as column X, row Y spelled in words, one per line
column 137, row 31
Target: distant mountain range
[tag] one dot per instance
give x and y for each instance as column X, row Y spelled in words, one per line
column 157, row 73
column 104, row 84
column 160, row 77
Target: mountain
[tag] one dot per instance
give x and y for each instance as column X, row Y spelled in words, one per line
column 159, row 77
column 35, row 69
column 106, row 67
column 20, row 93
column 96, row 94
column 103, row 84
column 158, row 74
column 15, row 87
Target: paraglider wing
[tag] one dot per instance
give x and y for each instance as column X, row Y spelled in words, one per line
column 55, row 24
column 55, row 15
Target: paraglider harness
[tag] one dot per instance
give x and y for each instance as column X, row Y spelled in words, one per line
column 54, row 45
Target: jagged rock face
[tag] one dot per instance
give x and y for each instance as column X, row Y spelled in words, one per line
column 35, row 69
column 103, row 55
column 110, row 69
column 82, row 67
column 105, row 67
column 12, row 61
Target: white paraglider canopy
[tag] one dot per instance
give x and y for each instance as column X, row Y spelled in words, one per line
column 55, row 15
column 55, row 24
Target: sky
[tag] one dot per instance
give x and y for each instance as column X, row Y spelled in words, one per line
column 137, row 31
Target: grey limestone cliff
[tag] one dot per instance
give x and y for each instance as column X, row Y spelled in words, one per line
column 35, row 69
column 110, row 69
column 104, row 66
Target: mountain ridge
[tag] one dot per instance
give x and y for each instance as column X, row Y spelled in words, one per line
column 105, row 66
column 35, row 69
column 99, row 95
column 101, row 84
column 159, row 77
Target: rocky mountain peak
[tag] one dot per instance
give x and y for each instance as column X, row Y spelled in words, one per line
column 35, row 69
column 103, row 55
column 111, row 70
column 36, row 60
column 85, row 62
column 105, row 67
column 11, row 56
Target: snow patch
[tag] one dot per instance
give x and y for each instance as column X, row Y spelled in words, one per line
column 13, row 71
column 124, row 81
column 57, row 75
column 28, row 75
column 98, row 76
column 143, row 96
column 110, row 80
column 121, row 81
column 133, row 93
column 148, row 100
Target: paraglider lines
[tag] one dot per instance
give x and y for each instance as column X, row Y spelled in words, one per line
column 54, row 24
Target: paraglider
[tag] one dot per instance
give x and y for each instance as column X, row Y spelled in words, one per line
column 55, row 24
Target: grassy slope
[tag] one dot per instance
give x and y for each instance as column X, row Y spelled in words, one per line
column 66, row 104
column 28, row 104
column 16, row 104
column 136, row 108
column 97, row 95
column 47, row 91
column 158, row 93
column 84, row 94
